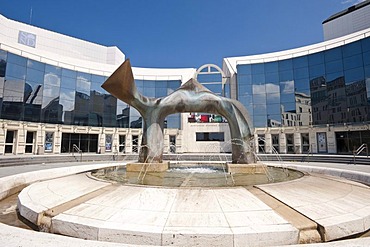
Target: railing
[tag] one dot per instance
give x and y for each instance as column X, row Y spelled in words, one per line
column 115, row 153
column 309, row 153
column 360, row 150
column 76, row 148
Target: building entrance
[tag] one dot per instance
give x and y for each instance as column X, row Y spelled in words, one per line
column 87, row 143
column 349, row 141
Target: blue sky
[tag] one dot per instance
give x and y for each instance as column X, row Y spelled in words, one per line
column 182, row 33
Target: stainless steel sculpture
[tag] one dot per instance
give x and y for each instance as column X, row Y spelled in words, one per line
column 190, row 97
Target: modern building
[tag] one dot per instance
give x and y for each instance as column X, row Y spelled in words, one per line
column 310, row 99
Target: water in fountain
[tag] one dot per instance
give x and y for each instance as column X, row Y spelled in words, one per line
column 199, row 174
column 274, row 152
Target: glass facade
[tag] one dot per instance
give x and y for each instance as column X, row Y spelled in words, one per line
column 38, row 92
column 328, row 87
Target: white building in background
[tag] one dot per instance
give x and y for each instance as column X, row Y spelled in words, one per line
column 353, row 19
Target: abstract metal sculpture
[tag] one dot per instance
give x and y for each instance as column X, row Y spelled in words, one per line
column 190, row 97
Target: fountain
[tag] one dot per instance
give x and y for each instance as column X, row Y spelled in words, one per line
column 190, row 97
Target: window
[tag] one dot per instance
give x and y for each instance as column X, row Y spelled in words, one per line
column 122, row 143
column 210, row 136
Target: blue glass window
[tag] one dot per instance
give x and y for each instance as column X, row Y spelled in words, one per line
column 287, row 87
column 96, row 87
column 258, row 78
column 317, row 70
column 69, row 73
column 15, row 71
column 68, row 82
column 35, row 75
column 333, row 76
column 287, row 98
column 15, row 59
column 272, row 88
column 286, row 75
column 271, row 67
column 259, row 89
column 260, row 121
column 334, row 66
column 286, row 64
column 316, row 59
column 333, row 54
column 273, row 109
column 273, row 98
column 98, row 79
column 301, row 85
column 259, row 99
column 244, row 69
column 352, row 49
column 272, row 77
column 353, row 62
column 35, row 65
column 244, row 79
column 3, row 55
column 173, row 121
column 258, row 68
column 365, row 44
column 353, row 75
column 301, row 73
column 259, row 109
column 300, row 62
column 51, row 91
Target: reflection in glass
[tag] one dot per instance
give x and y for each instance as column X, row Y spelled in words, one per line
column 287, row 87
column 273, row 109
column 173, row 121
column 110, row 108
column 35, row 75
column 69, row 73
column 353, row 75
column 68, row 82
column 15, row 71
column 272, row 88
column 15, row 59
column 260, row 120
column 123, row 114
column 32, row 64
column 259, row 99
column 273, row 120
column 83, row 84
column 51, row 110
column 334, row 54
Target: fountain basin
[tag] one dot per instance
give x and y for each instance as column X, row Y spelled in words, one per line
column 149, row 167
column 199, row 175
column 246, row 168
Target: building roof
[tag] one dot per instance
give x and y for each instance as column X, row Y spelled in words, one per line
column 347, row 11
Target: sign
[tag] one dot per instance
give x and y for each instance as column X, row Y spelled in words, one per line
column 28, row 39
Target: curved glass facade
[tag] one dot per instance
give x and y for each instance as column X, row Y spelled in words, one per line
column 327, row 87
column 38, row 92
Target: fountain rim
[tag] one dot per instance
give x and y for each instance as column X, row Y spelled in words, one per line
column 302, row 173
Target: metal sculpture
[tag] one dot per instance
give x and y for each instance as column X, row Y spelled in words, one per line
column 190, row 97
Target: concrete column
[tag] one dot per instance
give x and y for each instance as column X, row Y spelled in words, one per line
column 297, row 143
column 282, row 143
column 332, row 146
column 268, row 143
